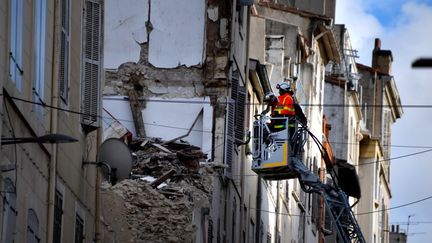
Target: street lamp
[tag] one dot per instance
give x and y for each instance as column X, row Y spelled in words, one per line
column 48, row 138
column 422, row 63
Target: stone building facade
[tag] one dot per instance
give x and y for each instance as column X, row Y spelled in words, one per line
column 50, row 74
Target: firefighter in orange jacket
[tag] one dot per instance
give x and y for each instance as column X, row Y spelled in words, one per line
column 286, row 106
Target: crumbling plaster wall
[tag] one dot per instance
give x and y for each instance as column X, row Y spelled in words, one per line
column 185, row 60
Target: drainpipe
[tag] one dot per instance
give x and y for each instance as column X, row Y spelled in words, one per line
column 242, row 168
column 53, row 129
column 97, row 209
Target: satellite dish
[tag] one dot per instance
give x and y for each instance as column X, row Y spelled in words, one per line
column 116, row 154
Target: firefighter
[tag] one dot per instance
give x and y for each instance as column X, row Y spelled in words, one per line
column 284, row 106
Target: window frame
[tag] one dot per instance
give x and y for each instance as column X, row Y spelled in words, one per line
column 9, row 211
column 79, row 231
column 16, row 71
column 58, row 216
column 39, row 54
column 32, row 227
column 64, row 61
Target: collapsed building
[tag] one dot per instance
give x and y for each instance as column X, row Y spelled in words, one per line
column 163, row 199
column 203, row 80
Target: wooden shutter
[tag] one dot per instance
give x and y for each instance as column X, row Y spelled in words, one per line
column 238, row 94
column 229, row 135
column 240, row 114
column 92, row 70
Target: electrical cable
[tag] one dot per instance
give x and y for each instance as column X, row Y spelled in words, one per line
column 254, row 104
column 399, row 206
column 173, row 127
column 81, row 113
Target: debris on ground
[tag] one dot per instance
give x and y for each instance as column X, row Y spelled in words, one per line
column 157, row 204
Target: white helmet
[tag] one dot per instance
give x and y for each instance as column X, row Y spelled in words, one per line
column 284, row 87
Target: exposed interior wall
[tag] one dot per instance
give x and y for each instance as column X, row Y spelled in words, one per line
column 257, row 39
column 174, row 37
column 125, row 30
column 275, row 57
column 172, row 118
column 177, row 33
column 117, row 108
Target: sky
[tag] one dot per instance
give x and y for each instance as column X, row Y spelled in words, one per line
column 405, row 28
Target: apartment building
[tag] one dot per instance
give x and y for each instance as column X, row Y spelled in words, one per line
column 362, row 104
column 381, row 108
column 50, row 76
column 204, row 79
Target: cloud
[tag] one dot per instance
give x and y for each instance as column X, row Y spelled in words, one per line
column 363, row 27
column 408, row 37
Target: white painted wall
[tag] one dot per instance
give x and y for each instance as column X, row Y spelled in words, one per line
column 275, row 56
column 124, row 29
column 171, row 118
column 118, row 107
column 177, row 37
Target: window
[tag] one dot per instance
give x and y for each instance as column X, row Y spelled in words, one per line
column 251, row 231
column 269, row 237
column 39, row 53
column 79, row 229
column 261, row 232
column 58, row 216
column 92, row 52
column 64, row 50
column 32, row 227
column 9, row 211
column 234, row 216
column 15, row 51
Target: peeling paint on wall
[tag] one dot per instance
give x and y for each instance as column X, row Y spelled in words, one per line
column 213, row 13
column 177, row 37
column 124, row 31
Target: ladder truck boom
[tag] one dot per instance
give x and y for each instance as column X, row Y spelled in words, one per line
column 277, row 155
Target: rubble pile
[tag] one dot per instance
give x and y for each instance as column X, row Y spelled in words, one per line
column 157, row 204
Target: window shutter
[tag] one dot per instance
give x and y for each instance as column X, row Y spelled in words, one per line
column 238, row 94
column 92, row 70
column 229, row 136
column 240, row 113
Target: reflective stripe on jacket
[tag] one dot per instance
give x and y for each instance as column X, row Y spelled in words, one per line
column 285, row 106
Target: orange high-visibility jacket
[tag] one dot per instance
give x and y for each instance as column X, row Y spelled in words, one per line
column 285, row 106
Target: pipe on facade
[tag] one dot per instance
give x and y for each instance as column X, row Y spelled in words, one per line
column 53, row 126
column 97, row 232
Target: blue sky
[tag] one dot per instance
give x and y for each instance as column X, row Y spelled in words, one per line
column 404, row 27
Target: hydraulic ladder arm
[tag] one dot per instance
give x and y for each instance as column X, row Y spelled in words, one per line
column 279, row 159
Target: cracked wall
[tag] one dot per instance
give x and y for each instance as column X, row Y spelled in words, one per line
column 159, row 60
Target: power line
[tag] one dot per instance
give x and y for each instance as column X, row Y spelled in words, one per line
column 400, row 206
column 398, row 157
column 174, row 127
column 256, row 103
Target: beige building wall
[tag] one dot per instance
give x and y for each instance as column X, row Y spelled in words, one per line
column 40, row 167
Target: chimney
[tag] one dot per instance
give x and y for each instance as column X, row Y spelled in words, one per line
column 377, row 44
column 382, row 60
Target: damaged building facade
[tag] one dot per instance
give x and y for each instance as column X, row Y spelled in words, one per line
column 200, row 82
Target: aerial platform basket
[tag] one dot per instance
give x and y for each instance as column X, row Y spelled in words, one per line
column 272, row 149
